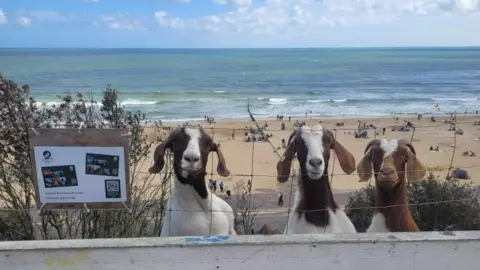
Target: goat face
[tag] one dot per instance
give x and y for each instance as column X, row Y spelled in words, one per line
column 191, row 146
column 388, row 159
column 312, row 146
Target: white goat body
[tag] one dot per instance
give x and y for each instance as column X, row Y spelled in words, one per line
column 338, row 221
column 187, row 214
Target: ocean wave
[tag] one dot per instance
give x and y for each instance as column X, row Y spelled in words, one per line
column 138, row 102
column 317, row 100
column 312, row 93
column 454, row 99
column 339, row 100
column 277, row 101
column 220, row 92
column 47, row 103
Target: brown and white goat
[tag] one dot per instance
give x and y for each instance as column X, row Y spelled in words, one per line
column 192, row 210
column 315, row 210
column 392, row 162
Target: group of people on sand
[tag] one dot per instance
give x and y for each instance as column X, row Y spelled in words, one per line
column 209, row 119
column 299, row 124
column 212, row 184
column 260, row 138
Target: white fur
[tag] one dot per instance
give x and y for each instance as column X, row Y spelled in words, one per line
column 192, row 151
column 378, row 224
column 338, row 222
column 312, row 138
column 388, row 147
column 191, row 215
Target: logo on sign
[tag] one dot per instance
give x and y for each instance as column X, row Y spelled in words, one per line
column 47, row 156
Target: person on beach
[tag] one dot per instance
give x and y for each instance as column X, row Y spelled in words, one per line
column 215, row 186
column 280, row 198
column 249, row 185
column 222, row 185
column 233, row 134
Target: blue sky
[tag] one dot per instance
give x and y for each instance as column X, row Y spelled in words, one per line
column 238, row 23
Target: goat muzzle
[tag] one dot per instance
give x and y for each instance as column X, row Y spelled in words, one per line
column 387, row 178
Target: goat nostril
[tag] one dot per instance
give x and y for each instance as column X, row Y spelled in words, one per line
column 190, row 158
column 315, row 162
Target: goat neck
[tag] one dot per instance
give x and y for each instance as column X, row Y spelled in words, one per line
column 394, row 207
column 198, row 193
column 316, row 198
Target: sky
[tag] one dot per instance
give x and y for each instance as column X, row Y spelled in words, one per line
column 238, row 23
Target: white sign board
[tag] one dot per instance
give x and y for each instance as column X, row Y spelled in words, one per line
column 74, row 168
column 69, row 174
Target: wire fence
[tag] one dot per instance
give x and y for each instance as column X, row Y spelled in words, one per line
column 258, row 202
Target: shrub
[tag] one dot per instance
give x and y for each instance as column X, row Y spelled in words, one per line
column 18, row 114
column 435, row 205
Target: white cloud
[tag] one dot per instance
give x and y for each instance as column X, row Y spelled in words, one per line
column 3, row 17
column 24, row 21
column 163, row 20
column 47, row 15
column 121, row 21
column 238, row 3
column 295, row 17
column 468, row 5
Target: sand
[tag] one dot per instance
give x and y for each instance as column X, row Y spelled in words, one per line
column 265, row 155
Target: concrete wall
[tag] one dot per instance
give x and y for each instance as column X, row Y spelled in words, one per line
column 423, row 251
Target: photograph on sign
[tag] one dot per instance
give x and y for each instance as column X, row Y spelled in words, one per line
column 98, row 164
column 59, row 176
column 80, row 174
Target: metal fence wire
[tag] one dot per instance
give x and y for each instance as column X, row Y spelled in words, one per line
column 261, row 204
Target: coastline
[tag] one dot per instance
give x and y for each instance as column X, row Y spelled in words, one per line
column 329, row 118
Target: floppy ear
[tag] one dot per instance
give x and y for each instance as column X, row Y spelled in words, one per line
column 415, row 170
column 364, row 167
column 222, row 166
column 285, row 163
column 159, row 153
column 346, row 159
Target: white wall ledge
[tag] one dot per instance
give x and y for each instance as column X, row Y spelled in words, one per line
column 424, row 250
column 240, row 240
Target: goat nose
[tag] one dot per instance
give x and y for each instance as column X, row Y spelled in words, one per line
column 191, row 158
column 386, row 170
column 315, row 162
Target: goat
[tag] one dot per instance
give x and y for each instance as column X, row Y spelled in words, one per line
column 194, row 211
column 315, row 208
column 388, row 159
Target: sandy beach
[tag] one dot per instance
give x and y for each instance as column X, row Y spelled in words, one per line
column 239, row 154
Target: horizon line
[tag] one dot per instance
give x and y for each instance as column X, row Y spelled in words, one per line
column 243, row 48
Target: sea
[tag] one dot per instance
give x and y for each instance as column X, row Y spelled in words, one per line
column 189, row 84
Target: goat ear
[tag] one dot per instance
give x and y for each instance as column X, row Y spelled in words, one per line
column 365, row 167
column 159, row 154
column 415, row 169
column 285, row 163
column 346, row 159
column 222, row 166
column 158, row 158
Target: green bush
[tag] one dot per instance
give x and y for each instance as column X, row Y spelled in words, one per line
column 435, row 206
column 18, row 216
